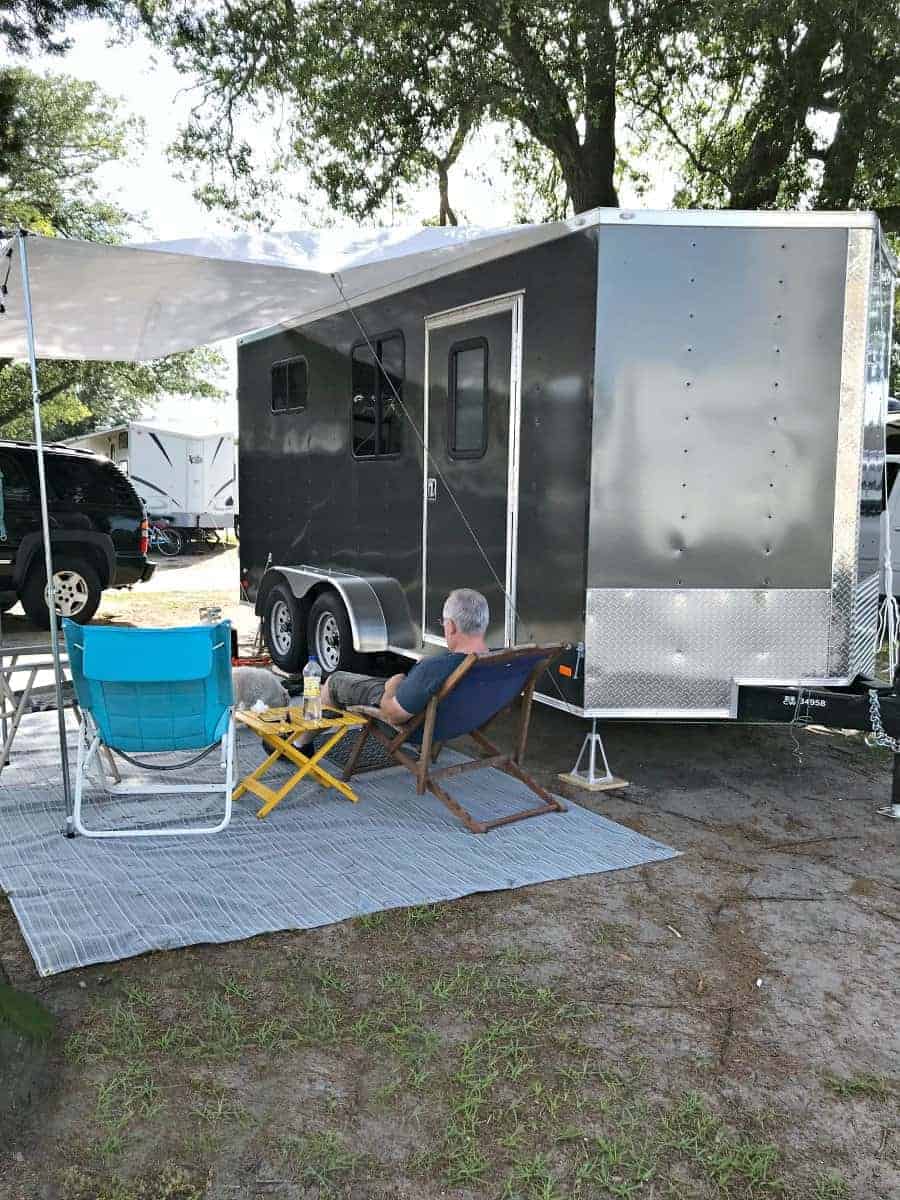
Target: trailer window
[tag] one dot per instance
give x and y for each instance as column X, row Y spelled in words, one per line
column 290, row 385
column 467, row 390
column 376, row 416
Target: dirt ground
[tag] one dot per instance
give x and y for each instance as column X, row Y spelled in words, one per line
column 722, row 1025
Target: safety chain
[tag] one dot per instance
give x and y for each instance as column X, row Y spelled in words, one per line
column 878, row 736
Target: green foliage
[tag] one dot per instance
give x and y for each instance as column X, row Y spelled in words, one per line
column 66, row 130
column 27, row 25
column 767, row 104
column 61, row 133
column 94, row 394
column 757, row 103
column 375, row 94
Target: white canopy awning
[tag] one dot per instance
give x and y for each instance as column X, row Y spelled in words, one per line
column 130, row 303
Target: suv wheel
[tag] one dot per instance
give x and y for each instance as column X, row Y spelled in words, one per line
column 283, row 628
column 76, row 586
column 329, row 636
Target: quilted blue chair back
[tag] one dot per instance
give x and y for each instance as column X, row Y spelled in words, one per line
column 485, row 689
column 153, row 689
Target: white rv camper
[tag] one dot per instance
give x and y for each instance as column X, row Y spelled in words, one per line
column 188, row 479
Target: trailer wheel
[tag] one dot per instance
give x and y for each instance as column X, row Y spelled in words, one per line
column 329, row 636
column 283, row 629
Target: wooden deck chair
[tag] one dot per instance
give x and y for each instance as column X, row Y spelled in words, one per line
column 479, row 690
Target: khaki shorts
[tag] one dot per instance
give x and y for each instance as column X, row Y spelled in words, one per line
column 348, row 689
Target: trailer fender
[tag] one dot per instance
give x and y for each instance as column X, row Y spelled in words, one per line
column 376, row 605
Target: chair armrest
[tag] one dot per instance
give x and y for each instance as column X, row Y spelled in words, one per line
column 374, row 714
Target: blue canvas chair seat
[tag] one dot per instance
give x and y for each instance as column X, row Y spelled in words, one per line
column 480, row 688
column 152, row 691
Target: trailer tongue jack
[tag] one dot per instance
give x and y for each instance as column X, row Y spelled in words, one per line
column 869, row 706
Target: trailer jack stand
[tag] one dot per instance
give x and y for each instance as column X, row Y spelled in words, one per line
column 590, row 780
column 892, row 810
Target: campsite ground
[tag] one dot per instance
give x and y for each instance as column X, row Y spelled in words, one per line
column 721, row 1025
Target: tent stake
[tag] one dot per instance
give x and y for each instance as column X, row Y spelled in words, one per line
column 21, row 236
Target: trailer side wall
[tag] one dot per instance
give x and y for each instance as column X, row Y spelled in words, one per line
column 716, row 412
column 306, row 500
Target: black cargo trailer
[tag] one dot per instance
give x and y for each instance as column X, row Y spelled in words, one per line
column 658, row 437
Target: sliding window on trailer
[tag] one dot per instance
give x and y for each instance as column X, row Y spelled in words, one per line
column 375, row 414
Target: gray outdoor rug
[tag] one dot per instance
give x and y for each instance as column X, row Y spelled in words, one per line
column 314, row 860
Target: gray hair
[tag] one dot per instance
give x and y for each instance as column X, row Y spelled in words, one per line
column 468, row 610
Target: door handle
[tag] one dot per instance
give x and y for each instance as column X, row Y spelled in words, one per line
column 431, row 488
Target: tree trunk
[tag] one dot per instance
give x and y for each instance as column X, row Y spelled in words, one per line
column 866, row 84
column 446, row 214
column 781, row 111
column 590, row 181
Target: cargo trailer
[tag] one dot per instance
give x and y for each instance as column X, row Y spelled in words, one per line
column 658, row 437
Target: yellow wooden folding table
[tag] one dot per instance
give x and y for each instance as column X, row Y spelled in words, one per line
column 279, row 728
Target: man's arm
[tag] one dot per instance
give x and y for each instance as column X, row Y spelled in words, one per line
column 393, row 712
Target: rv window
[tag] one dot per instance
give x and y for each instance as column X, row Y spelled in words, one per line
column 468, row 393
column 376, row 417
column 290, row 385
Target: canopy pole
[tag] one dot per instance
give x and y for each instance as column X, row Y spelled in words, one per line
column 21, row 236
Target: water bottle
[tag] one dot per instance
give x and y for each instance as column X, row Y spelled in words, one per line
column 312, row 691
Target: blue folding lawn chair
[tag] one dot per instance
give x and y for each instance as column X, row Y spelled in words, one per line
column 152, row 691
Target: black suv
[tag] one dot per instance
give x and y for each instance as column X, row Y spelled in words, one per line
column 98, row 530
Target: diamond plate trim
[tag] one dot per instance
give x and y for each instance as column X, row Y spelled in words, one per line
column 865, row 626
column 848, row 468
column 665, row 649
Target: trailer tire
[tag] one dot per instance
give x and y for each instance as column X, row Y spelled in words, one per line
column 329, row 636
column 283, row 630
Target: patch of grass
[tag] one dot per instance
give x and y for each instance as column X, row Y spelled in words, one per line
column 370, row 921
column 619, row 1165
column 423, row 916
column 533, row 1179
column 872, row 1087
column 318, row 1159
column 126, row 1095
column 614, row 936
column 692, row 1131
column 172, row 1183
column 214, row 1106
column 830, row 1187
column 239, row 989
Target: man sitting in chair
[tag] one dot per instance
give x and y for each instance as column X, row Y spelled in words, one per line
column 398, row 699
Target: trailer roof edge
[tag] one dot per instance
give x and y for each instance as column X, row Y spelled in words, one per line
column 470, row 254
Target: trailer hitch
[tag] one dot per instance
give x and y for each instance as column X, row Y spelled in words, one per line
column 867, row 705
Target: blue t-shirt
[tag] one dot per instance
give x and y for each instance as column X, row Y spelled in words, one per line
column 424, row 680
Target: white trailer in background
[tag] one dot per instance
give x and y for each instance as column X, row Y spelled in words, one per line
column 187, row 479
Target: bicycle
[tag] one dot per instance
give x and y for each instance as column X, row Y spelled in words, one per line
column 166, row 539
